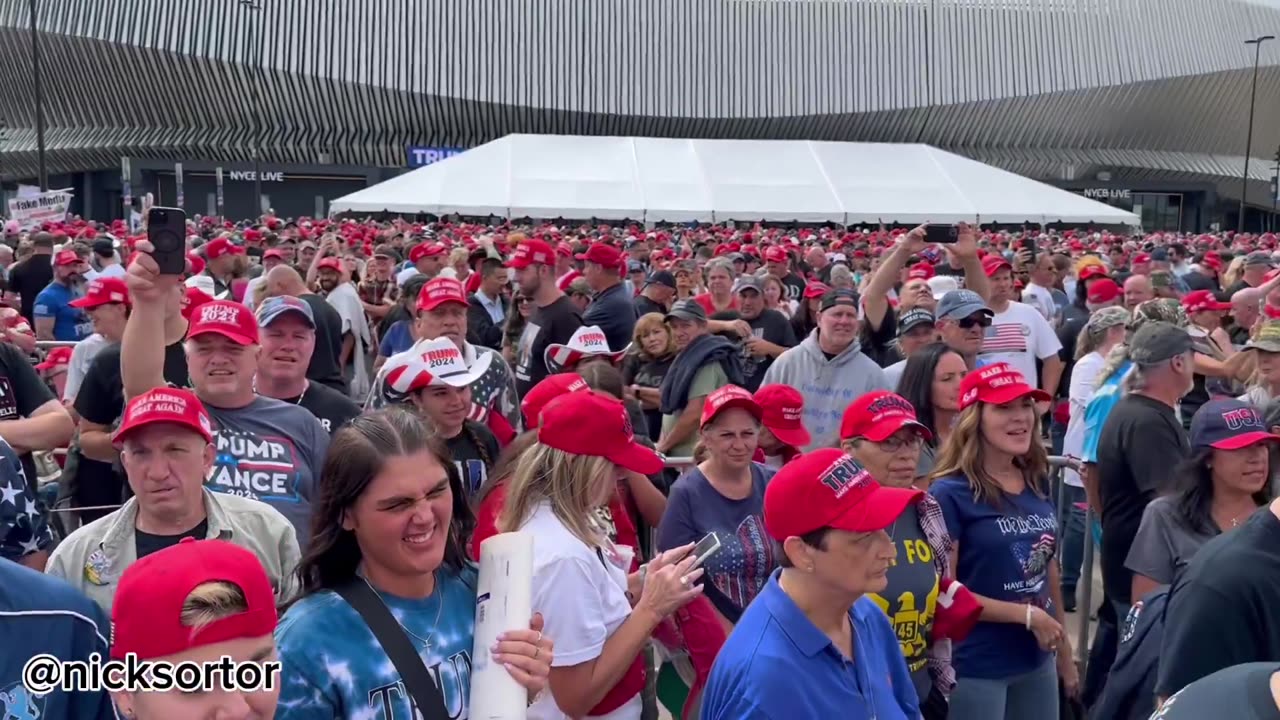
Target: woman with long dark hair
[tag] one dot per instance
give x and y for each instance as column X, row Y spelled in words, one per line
column 391, row 514
column 1226, row 478
column 805, row 318
column 991, row 480
column 931, row 383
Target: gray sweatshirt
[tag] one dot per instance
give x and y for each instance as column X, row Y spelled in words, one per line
column 828, row 386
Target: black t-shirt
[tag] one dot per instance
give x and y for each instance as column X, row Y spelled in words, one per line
column 647, row 374
column 1140, row 444
column 101, row 401
column 331, row 408
column 644, row 306
column 1222, row 610
column 774, row 327
column 878, row 343
column 614, row 313
column 1237, row 287
column 22, row 392
column 1245, row 689
column 794, row 285
column 474, row 451
column 553, row 324
column 148, row 543
column 323, row 367
column 28, row 278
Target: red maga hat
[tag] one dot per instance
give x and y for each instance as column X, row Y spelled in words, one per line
column 729, row 396
column 550, row 388
column 827, row 488
column 175, row 406
column 879, row 414
column 532, row 252
column 588, row 423
column 997, row 384
column 103, row 291
column 228, row 319
column 439, row 291
column 782, row 408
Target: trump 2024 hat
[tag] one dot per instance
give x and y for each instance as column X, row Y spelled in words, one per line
column 532, row 252
column 1228, row 424
column 433, row 362
column 587, row 341
column 588, row 423
column 228, row 319
column 175, row 406
column 103, row 291
column 146, row 616
column 782, row 412
column 879, row 414
column 997, row 384
column 827, row 488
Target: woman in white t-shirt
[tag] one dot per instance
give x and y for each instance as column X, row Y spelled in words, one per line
column 598, row 616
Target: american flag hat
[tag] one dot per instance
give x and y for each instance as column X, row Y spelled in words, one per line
column 433, row 362
column 587, row 341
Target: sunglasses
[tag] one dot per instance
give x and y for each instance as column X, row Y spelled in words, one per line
column 969, row 322
column 522, row 301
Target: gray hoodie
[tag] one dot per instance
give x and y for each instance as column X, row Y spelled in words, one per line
column 828, row 386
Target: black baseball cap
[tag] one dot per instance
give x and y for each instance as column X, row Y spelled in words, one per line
column 686, row 310
column 914, row 318
column 1228, row 424
column 842, row 296
column 661, row 277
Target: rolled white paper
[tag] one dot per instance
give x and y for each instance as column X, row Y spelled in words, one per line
column 504, row 601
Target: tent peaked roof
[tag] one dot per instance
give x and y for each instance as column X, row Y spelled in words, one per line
column 674, row 180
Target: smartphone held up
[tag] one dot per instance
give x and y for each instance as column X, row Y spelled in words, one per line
column 167, row 233
column 941, row 234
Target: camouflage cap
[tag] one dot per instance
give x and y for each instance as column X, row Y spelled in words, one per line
column 1165, row 310
column 1267, row 338
column 1156, row 342
column 1161, row 279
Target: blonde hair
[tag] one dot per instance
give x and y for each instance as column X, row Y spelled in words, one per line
column 963, row 455
column 1233, row 272
column 212, row 601
column 459, row 255
column 567, row 482
column 644, row 324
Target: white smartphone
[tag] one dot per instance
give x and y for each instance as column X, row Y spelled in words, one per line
column 705, row 548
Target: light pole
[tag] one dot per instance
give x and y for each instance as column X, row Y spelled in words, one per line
column 39, row 83
column 256, row 39
column 1248, row 141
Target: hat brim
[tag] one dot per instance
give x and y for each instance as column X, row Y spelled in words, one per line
column 517, row 263
column 877, row 510
column 796, row 437
column 904, row 329
column 233, row 336
column 267, row 319
column 883, row 430
column 1263, row 345
column 636, row 458
column 746, row 403
column 117, row 438
column 965, row 311
column 1009, row 393
column 433, row 304
column 682, row 315
column 575, row 357
column 88, row 302
column 1244, row 440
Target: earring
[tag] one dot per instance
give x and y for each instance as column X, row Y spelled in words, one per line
column 809, row 569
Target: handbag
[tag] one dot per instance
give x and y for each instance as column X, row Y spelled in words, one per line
column 395, row 642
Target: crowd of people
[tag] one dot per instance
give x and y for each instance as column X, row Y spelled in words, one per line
column 736, row 450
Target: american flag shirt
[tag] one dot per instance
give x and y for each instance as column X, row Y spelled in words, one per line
column 1019, row 336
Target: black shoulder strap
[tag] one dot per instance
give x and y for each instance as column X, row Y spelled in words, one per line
column 413, row 672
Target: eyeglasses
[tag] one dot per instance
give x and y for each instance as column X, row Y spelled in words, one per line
column 969, row 322
column 898, row 443
column 522, row 300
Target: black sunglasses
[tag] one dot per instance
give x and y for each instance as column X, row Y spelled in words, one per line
column 969, row 322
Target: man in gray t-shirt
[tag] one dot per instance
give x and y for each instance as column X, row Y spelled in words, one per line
column 271, row 451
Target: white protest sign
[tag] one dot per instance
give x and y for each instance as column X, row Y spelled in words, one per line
column 40, row 208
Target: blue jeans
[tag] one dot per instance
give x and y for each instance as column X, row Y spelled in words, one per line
column 1021, row 697
column 1073, row 540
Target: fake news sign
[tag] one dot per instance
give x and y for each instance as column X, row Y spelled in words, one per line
column 32, row 210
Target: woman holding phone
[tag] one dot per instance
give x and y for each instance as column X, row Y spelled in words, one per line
column 724, row 494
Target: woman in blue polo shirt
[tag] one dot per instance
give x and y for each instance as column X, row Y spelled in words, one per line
column 812, row 646
column 990, row 480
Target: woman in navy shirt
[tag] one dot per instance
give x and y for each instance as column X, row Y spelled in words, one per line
column 990, row 480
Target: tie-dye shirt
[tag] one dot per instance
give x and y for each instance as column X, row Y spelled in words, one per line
column 333, row 667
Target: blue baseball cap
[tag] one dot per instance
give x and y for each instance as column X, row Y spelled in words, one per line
column 274, row 307
column 1228, row 425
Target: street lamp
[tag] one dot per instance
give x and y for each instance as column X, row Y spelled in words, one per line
column 1248, row 141
column 256, row 39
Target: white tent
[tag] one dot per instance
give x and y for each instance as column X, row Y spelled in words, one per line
column 668, row 180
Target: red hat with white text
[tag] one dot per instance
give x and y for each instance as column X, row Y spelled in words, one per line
column 827, row 488
column 226, row 318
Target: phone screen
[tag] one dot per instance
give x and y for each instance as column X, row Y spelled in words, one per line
column 706, row 547
column 945, row 234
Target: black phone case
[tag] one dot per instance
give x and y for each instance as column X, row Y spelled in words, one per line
column 166, row 231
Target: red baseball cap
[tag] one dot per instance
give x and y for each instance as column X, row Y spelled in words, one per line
column 879, row 414
column 530, row 252
column 550, row 388
column 1202, row 300
column 729, row 396
column 782, row 407
column 221, row 246
column 424, row 250
column 273, row 253
column 776, row 254
column 1212, row 260
column 997, row 384
column 1092, row 270
column 588, row 423
column 56, row 357
column 601, row 254
column 1141, row 258
column 440, row 290
column 103, row 291
column 330, row 263
column 196, row 262
column 165, row 405
column 66, row 257
column 228, row 319
column 1105, row 290
column 993, row 264
column 193, row 298
column 920, row 271
column 146, row 616
column 827, row 488
column 816, row 290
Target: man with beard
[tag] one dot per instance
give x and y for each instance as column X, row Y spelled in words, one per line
column 342, row 296
column 55, row 317
column 287, row 331
column 554, row 318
